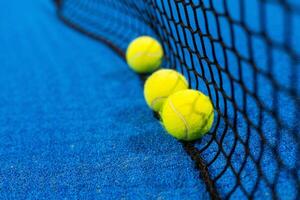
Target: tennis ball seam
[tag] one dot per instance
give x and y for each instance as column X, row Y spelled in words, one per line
column 187, row 127
column 142, row 53
column 156, row 63
column 146, row 52
column 157, row 99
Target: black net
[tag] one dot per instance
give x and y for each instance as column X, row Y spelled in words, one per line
column 245, row 55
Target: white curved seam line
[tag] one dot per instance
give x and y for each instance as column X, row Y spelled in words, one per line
column 150, row 54
column 182, row 118
column 156, row 99
column 138, row 54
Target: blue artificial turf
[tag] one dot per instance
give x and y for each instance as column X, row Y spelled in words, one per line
column 73, row 121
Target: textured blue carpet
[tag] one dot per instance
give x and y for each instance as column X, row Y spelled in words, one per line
column 73, row 122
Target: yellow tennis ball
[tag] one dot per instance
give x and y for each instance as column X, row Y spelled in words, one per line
column 144, row 54
column 187, row 115
column 160, row 85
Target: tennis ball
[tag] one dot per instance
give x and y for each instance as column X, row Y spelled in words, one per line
column 160, row 85
column 144, row 54
column 187, row 115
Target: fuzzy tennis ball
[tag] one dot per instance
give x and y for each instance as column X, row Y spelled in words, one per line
column 144, row 54
column 160, row 85
column 187, row 115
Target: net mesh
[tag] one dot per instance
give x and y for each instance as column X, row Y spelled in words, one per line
column 245, row 55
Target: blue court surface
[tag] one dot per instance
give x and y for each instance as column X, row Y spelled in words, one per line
column 74, row 123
